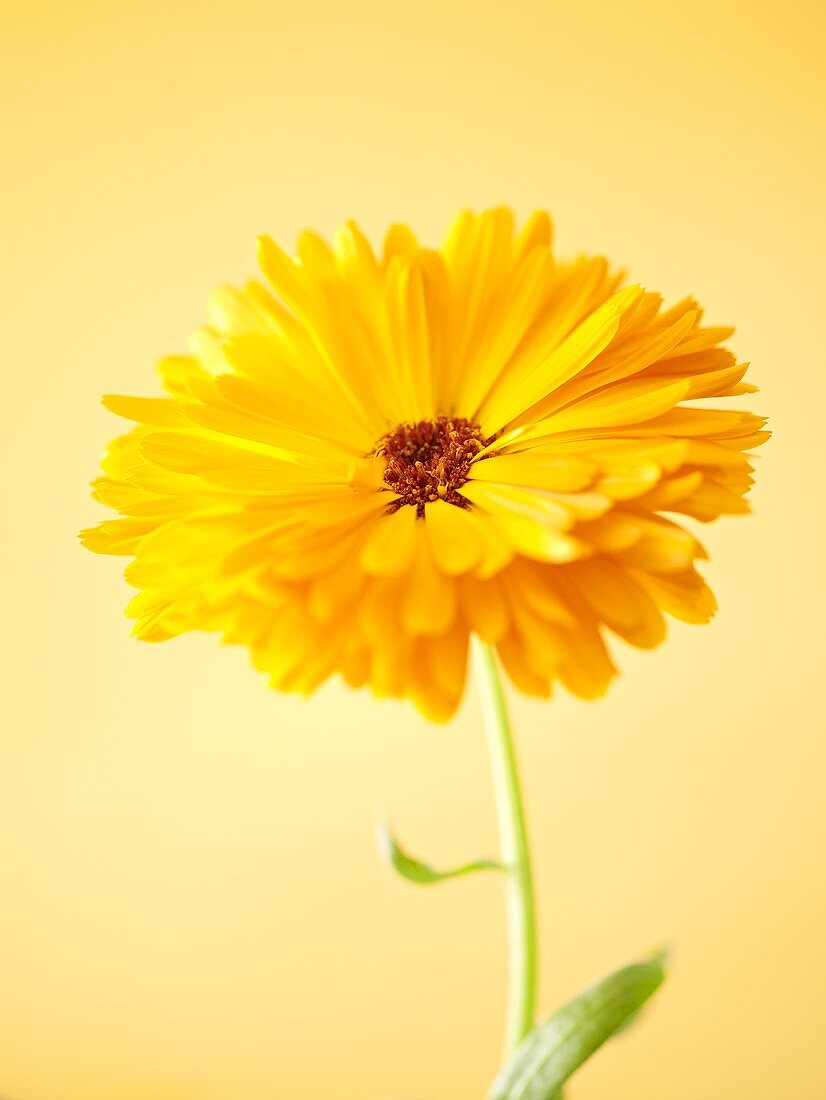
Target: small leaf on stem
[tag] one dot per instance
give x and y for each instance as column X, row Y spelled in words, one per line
column 421, row 873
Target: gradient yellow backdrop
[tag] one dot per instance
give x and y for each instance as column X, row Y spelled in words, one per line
column 191, row 907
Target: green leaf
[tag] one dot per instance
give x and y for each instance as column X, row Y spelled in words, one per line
column 547, row 1057
column 416, row 871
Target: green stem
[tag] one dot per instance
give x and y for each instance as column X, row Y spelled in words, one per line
column 522, row 949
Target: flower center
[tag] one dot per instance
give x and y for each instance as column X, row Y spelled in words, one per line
column 430, row 460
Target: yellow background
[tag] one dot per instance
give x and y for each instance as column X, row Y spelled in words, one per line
column 191, row 905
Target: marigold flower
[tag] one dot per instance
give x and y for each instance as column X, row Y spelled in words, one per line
column 367, row 459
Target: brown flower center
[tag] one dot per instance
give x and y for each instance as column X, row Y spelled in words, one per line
column 430, row 460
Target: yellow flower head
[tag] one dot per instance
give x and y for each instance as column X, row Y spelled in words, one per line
column 366, row 459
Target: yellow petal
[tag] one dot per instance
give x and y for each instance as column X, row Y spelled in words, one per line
column 510, row 500
column 619, row 602
column 454, row 538
column 399, row 241
column 586, row 342
column 537, row 541
column 391, row 544
column 628, row 403
column 484, row 607
column 160, row 412
column 537, row 471
column 684, row 595
column 430, row 598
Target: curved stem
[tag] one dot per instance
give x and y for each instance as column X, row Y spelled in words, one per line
column 522, row 949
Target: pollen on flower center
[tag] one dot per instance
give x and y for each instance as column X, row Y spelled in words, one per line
column 430, row 460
